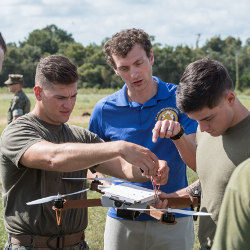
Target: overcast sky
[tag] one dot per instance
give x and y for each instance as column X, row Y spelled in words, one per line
column 172, row 22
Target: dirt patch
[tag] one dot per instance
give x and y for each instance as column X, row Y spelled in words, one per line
column 3, row 121
column 79, row 119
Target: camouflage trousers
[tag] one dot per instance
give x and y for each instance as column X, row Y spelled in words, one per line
column 80, row 246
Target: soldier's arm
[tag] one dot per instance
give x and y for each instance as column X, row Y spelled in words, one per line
column 17, row 108
column 68, row 157
column 191, row 190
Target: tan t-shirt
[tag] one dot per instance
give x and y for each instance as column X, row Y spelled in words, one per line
column 233, row 228
column 22, row 184
column 217, row 158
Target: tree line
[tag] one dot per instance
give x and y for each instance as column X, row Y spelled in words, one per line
column 94, row 72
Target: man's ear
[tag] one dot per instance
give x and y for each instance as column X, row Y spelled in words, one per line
column 151, row 57
column 37, row 91
column 230, row 97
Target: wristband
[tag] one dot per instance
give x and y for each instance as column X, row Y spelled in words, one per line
column 179, row 135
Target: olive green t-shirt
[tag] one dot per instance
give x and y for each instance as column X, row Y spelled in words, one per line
column 22, row 184
column 217, row 158
column 233, row 230
column 19, row 105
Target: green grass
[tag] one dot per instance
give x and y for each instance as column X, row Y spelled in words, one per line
column 85, row 103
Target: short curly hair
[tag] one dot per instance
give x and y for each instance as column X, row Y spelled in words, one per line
column 122, row 42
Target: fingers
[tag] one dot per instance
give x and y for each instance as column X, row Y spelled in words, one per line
column 160, row 180
column 156, row 131
column 140, row 157
column 149, row 165
column 165, row 129
column 162, row 204
column 146, row 160
column 161, row 177
column 163, row 196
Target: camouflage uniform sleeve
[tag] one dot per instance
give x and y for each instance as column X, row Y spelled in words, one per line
column 17, row 106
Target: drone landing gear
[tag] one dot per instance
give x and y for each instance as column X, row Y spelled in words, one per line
column 58, row 207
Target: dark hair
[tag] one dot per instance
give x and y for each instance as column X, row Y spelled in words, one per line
column 121, row 43
column 203, row 84
column 55, row 69
column 2, row 43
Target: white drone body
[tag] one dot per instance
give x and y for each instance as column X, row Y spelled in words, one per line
column 126, row 195
column 132, row 197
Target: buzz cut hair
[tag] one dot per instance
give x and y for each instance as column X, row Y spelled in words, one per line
column 55, row 69
column 123, row 42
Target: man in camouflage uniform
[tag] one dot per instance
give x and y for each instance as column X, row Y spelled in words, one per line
column 20, row 103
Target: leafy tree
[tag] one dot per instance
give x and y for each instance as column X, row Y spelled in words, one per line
column 75, row 52
column 48, row 39
column 43, row 40
column 214, row 44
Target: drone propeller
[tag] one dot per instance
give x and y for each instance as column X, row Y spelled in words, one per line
column 97, row 179
column 170, row 210
column 54, row 197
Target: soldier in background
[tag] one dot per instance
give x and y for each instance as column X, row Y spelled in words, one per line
column 20, row 103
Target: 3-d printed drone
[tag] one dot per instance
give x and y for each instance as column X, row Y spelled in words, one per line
column 124, row 197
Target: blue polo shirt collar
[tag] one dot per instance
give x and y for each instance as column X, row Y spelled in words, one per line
column 161, row 94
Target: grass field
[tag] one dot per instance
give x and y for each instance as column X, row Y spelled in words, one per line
column 85, row 103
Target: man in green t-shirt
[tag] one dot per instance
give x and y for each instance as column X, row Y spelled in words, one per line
column 234, row 221
column 40, row 148
column 20, row 103
column 206, row 94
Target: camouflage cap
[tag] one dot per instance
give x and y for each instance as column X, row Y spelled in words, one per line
column 14, row 79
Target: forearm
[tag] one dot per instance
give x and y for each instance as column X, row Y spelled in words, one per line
column 187, row 149
column 121, row 169
column 68, row 157
column 189, row 190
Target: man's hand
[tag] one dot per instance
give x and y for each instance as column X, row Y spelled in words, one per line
column 165, row 129
column 161, row 177
column 139, row 157
column 162, row 203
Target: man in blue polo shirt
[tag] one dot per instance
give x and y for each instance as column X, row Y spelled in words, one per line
column 142, row 105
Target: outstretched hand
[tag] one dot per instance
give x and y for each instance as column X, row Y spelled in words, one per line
column 140, row 157
column 165, row 129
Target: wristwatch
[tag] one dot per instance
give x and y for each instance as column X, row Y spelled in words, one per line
column 179, row 135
